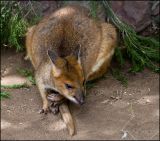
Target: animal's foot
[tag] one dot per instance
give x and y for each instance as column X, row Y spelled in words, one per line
column 44, row 111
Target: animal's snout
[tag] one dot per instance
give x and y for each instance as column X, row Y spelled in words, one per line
column 79, row 96
column 81, row 101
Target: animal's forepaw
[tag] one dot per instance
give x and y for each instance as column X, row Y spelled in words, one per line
column 44, row 111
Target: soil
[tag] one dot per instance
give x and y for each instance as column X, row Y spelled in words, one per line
column 111, row 111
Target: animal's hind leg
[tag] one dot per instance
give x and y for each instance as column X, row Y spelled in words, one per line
column 100, row 72
column 106, row 52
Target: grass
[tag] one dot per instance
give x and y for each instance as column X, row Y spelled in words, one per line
column 15, row 86
column 4, row 95
column 14, row 23
column 93, row 7
column 117, row 73
column 27, row 73
column 23, row 72
column 90, row 85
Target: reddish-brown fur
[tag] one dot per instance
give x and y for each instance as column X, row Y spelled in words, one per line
column 62, row 32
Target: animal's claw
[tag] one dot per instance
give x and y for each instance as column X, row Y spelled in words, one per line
column 44, row 111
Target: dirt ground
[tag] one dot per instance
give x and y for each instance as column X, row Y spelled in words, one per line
column 111, row 111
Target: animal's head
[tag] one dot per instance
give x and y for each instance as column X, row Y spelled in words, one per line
column 68, row 76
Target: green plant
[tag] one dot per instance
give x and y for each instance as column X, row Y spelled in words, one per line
column 94, row 7
column 117, row 73
column 142, row 51
column 24, row 72
column 90, row 85
column 15, row 86
column 14, row 21
column 4, row 95
column 28, row 74
column 12, row 25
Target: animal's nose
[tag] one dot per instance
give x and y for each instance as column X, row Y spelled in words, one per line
column 81, row 101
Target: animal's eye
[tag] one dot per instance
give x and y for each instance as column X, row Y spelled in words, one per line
column 69, row 86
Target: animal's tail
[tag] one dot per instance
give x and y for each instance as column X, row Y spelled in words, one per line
column 67, row 117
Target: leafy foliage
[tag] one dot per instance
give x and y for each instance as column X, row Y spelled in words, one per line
column 24, row 72
column 14, row 22
column 4, row 95
column 142, row 51
column 12, row 25
column 93, row 6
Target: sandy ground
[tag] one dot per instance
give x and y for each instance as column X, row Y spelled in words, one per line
column 111, row 111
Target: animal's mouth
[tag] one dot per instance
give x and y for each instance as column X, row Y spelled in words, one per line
column 75, row 100
column 53, row 93
column 78, row 101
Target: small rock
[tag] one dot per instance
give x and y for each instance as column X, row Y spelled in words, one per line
column 31, row 99
column 124, row 135
column 9, row 111
column 105, row 101
column 148, row 101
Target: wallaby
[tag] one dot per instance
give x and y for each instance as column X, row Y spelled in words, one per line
column 68, row 48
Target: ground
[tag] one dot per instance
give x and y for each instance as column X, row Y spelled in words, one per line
column 111, row 111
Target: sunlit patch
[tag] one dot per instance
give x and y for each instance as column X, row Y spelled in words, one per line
column 14, row 79
column 5, row 124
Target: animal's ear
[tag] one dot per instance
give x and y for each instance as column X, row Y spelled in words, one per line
column 53, row 57
column 77, row 53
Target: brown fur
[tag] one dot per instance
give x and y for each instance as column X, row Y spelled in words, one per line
column 62, row 32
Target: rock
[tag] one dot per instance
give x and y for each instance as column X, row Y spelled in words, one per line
column 135, row 13
column 38, row 8
column 105, row 101
column 138, row 14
